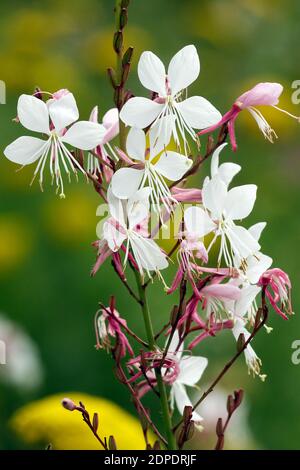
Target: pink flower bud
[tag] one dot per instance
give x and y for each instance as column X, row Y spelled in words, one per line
column 68, row 404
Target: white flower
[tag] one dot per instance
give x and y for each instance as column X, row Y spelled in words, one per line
column 182, row 115
column 256, row 264
column 191, row 369
column 35, row 115
column 129, row 222
column 156, row 164
column 222, row 207
column 110, row 129
column 20, row 362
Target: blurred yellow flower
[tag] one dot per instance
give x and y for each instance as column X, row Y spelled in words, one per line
column 98, row 50
column 15, row 241
column 46, row 421
column 73, row 220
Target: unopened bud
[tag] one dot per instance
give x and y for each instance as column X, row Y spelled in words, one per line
column 123, row 18
column 68, row 404
column 118, row 41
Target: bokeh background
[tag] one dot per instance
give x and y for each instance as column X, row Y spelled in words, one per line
column 45, row 243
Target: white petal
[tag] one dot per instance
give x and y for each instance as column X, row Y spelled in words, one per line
column 126, row 181
column 147, row 254
column 197, row 221
column 84, row 135
column 115, row 207
column 256, row 266
column 240, row 201
column 160, row 135
column 214, row 194
column 140, row 112
column 173, row 165
column 198, row 112
column 246, row 299
column 191, row 369
column 227, row 171
column 243, row 244
column 25, row 150
column 33, row 114
column 152, row 73
column 173, row 346
column 63, row 111
column 214, row 164
column 256, row 229
column 110, row 117
column 138, row 207
column 183, row 69
column 182, row 400
column 136, row 144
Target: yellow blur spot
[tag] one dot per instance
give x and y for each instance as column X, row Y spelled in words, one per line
column 72, row 220
column 15, row 242
column 46, row 421
column 98, row 52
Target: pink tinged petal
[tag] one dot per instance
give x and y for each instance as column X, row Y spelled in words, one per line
column 214, row 194
column 25, row 150
column 173, row 165
column 256, row 230
column 198, row 112
column 242, row 242
column 84, row 135
column 110, row 118
column 256, row 266
column 183, row 69
column 94, row 114
column 113, row 236
column 191, row 369
column 33, row 114
column 126, row 181
column 247, row 297
column 262, row 94
column 198, row 222
column 140, row 112
column 186, row 194
column 63, row 111
column 176, row 281
column 136, row 144
column 240, row 201
column 152, row 73
column 222, row 291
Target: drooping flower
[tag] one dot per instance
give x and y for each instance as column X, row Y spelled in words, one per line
column 104, row 150
column 53, row 120
column 154, row 165
column 171, row 109
column 277, row 286
column 262, row 94
column 109, row 325
column 221, row 208
column 128, row 222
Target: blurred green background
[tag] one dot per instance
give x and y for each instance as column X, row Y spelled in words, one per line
column 45, row 243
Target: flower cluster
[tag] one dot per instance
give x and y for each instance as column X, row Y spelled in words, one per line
column 219, row 259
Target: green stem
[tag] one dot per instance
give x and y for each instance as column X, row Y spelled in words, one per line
column 160, row 383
